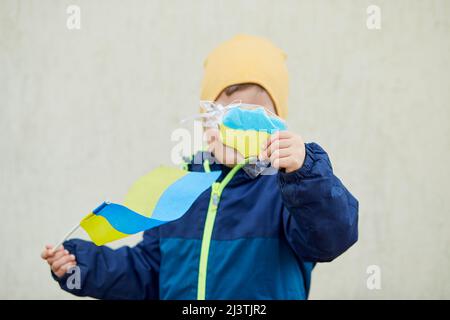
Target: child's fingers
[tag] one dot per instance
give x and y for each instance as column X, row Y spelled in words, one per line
column 67, row 266
column 277, row 136
column 280, row 135
column 48, row 252
column 279, row 154
column 58, row 248
column 263, row 155
column 45, row 254
column 283, row 162
column 58, row 255
column 62, row 261
column 277, row 145
column 272, row 144
column 265, row 144
column 55, row 250
column 63, row 270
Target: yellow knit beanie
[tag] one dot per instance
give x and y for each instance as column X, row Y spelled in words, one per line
column 247, row 59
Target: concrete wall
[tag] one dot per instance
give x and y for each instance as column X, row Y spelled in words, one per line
column 83, row 113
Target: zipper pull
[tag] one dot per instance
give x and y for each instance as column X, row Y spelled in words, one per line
column 215, row 193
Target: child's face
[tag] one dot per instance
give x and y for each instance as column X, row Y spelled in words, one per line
column 252, row 95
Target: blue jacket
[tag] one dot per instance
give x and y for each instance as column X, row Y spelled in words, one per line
column 249, row 238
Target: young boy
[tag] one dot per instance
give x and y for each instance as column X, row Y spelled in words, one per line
column 259, row 237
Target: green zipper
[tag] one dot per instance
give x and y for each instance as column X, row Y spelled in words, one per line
column 216, row 193
column 206, row 166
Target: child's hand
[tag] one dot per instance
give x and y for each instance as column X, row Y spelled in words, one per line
column 60, row 260
column 285, row 150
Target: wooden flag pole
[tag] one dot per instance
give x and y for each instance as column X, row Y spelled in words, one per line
column 75, row 228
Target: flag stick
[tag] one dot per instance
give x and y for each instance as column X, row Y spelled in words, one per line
column 75, row 228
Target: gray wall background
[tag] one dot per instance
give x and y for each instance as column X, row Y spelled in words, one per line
column 84, row 113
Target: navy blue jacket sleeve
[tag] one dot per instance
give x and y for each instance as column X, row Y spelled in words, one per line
column 321, row 220
column 124, row 273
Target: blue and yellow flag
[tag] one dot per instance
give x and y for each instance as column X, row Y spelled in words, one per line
column 163, row 195
column 245, row 130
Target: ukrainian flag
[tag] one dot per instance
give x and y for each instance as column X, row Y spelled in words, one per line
column 159, row 197
column 245, row 130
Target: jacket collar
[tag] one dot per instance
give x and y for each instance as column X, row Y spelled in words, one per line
column 197, row 164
